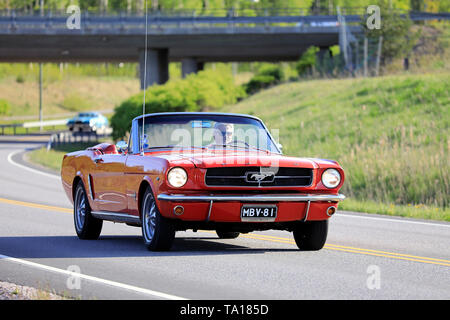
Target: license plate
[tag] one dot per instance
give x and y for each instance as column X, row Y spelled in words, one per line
column 258, row 212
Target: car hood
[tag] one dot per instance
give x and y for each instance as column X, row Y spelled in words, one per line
column 218, row 158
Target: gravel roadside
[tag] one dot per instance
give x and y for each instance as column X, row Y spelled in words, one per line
column 10, row 291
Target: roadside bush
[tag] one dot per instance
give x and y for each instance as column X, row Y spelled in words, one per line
column 267, row 75
column 259, row 82
column 208, row 89
column 307, row 61
column 20, row 78
column 4, row 107
column 274, row 71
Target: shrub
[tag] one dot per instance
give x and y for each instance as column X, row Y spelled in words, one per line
column 4, row 107
column 259, row 82
column 20, row 78
column 266, row 76
column 307, row 60
column 398, row 37
column 272, row 70
column 207, row 89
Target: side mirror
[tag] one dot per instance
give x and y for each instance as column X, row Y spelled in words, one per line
column 280, row 146
column 121, row 146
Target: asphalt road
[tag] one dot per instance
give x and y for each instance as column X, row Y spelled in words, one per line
column 366, row 256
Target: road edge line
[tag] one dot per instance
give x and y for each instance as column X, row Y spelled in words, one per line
column 11, row 161
column 91, row 278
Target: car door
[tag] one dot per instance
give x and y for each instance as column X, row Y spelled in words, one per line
column 108, row 183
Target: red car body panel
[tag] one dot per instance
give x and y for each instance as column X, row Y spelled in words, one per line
column 115, row 182
column 121, row 175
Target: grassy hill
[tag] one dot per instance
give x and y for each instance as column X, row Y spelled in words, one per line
column 62, row 97
column 391, row 135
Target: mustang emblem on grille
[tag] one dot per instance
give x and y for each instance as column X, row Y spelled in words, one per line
column 260, row 176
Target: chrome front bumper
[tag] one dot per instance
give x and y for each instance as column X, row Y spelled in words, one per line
column 252, row 198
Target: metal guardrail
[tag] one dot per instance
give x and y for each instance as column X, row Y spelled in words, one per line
column 14, row 21
column 196, row 12
column 35, row 124
column 66, row 137
column 130, row 22
column 45, row 123
column 14, row 126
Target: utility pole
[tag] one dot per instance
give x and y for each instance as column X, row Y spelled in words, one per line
column 380, row 44
column 365, row 56
column 129, row 7
column 41, row 7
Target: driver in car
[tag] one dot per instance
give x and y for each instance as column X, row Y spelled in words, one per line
column 223, row 134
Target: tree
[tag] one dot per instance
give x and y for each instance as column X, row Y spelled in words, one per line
column 398, row 41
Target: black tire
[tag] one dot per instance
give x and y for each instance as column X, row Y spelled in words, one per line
column 158, row 232
column 227, row 234
column 87, row 227
column 311, row 235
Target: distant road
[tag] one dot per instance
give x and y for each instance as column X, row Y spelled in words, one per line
column 366, row 256
column 52, row 116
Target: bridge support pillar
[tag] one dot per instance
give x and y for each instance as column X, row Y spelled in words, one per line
column 321, row 54
column 157, row 67
column 190, row 65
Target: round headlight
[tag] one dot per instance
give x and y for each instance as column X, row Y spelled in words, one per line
column 331, row 178
column 177, row 177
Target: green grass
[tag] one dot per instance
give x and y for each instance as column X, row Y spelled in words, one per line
column 62, row 97
column 418, row 211
column 389, row 133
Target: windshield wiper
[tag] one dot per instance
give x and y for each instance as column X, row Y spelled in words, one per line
column 237, row 146
column 174, row 147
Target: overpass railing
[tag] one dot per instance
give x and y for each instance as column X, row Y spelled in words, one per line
column 197, row 12
column 16, row 20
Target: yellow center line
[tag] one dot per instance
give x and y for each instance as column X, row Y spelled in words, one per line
column 392, row 255
column 35, row 205
column 359, row 249
column 389, row 256
column 370, row 252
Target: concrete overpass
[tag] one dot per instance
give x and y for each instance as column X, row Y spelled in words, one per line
column 191, row 40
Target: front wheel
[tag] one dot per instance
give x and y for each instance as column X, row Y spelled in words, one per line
column 311, row 235
column 157, row 231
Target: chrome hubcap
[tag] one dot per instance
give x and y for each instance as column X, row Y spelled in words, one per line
column 80, row 209
column 149, row 218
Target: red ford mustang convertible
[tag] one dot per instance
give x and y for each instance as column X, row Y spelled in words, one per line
column 210, row 171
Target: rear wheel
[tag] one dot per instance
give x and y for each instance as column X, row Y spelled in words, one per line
column 157, row 231
column 311, row 235
column 86, row 226
column 227, row 234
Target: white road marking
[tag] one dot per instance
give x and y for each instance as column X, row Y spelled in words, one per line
column 91, row 278
column 11, row 161
column 393, row 220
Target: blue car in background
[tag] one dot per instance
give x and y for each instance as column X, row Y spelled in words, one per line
column 87, row 122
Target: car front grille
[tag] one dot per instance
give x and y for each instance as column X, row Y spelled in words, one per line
column 259, row 177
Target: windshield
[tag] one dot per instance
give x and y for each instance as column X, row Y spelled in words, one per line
column 86, row 115
column 205, row 131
